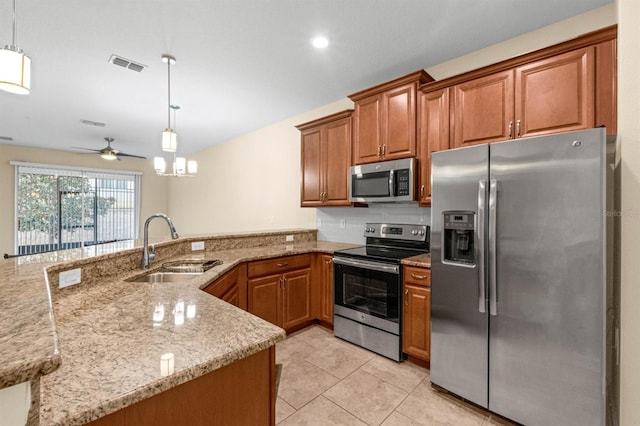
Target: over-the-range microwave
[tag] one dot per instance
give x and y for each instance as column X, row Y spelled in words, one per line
column 383, row 182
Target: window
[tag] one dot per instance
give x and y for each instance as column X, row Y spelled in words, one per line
column 60, row 207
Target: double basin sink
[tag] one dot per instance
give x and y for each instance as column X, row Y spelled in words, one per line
column 178, row 270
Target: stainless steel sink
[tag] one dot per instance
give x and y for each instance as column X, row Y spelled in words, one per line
column 177, row 270
column 165, row 277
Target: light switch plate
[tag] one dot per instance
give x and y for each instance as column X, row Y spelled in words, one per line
column 70, row 277
column 289, row 238
column 198, row 245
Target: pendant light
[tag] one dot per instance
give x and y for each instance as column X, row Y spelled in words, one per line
column 15, row 66
column 169, row 137
column 180, row 166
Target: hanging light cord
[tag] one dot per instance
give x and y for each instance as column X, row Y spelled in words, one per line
column 168, row 92
column 15, row 26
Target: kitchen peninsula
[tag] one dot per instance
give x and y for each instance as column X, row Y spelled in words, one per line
column 109, row 351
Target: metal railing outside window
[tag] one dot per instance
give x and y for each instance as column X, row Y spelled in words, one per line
column 59, row 207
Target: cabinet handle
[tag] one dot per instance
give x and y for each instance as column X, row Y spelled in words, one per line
column 421, row 191
column 406, row 297
column 510, row 128
column 518, row 128
column 284, row 283
column 379, row 150
column 418, row 277
column 282, row 265
column 280, row 282
column 384, row 150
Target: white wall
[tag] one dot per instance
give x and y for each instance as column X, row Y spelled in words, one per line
column 153, row 194
column 629, row 140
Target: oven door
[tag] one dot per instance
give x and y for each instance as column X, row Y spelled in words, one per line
column 368, row 292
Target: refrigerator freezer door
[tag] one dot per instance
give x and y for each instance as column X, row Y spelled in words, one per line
column 547, row 336
column 459, row 321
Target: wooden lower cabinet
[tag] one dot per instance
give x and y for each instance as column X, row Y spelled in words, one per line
column 416, row 315
column 231, row 287
column 242, row 393
column 280, row 294
column 323, row 289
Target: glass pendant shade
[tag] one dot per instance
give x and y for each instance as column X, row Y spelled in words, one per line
column 169, row 141
column 159, row 164
column 180, row 165
column 109, row 156
column 15, row 71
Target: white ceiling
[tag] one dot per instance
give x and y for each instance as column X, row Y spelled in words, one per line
column 241, row 64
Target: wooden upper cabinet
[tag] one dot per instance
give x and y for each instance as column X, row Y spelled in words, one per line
column 483, row 110
column 606, row 86
column 556, row 94
column 433, row 135
column 368, row 142
column 325, row 160
column 385, row 119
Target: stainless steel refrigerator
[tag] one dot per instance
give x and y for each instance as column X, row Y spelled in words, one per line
column 520, row 280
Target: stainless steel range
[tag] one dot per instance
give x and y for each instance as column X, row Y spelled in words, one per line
column 368, row 286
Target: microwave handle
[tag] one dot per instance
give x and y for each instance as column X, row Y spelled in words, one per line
column 392, row 185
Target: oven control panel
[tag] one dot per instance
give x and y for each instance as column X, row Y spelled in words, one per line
column 397, row 231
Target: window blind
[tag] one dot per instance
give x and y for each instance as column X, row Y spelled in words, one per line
column 61, row 207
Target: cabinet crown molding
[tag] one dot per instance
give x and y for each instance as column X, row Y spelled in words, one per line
column 588, row 39
column 420, row 77
column 327, row 119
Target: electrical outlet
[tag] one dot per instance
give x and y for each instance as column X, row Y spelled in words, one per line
column 71, row 277
column 198, row 245
column 289, row 238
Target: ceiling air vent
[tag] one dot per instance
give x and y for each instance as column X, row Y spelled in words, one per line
column 126, row 63
column 92, row 123
column 6, row 138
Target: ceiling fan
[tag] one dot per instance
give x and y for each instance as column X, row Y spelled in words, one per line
column 108, row 153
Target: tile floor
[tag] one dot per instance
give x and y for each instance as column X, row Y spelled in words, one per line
column 327, row 381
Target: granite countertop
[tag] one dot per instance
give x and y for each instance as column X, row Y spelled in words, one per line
column 107, row 340
column 421, row 261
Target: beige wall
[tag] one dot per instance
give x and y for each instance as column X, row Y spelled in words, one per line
column 248, row 183
column 629, row 139
column 153, row 195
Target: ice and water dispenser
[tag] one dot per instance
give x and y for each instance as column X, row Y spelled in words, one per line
column 459, row 235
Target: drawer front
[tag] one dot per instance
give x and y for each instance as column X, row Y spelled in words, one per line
column 417, row 276
column 277, row 265
column 222, row 285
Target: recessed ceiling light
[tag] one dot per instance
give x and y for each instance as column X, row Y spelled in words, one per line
column 320, row 42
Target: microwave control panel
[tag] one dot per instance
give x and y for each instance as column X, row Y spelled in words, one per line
column 402, row 185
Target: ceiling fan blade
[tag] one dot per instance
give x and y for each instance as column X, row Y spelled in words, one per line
column 122, row 154
column 87, row 149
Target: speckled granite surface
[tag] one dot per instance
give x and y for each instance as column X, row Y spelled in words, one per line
column 112, row 333
column 422, row 261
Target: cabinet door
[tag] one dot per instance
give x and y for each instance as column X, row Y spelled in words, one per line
column 556, row 94
column 296, row 303
column 416, row 328
column 311, row 185
column 336, row 160
column 606, row 87
column 433, row 136
column 483, row 110
column 264, row 298
column 324, row 304
column 399, row 123
column 367, row 143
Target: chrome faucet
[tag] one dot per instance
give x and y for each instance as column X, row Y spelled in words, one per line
column 146, row 255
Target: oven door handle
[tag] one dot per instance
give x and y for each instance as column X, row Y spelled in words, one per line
column 365, row 264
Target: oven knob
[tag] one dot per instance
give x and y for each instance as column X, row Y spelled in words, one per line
column 421, row 232
column 414, row 232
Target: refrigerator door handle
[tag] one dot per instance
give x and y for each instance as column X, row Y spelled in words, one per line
column 493, row 287
column 480, row 233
